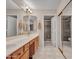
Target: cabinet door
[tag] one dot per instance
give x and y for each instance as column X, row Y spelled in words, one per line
column 17, row 54
column 32, row 49
column 26, row 55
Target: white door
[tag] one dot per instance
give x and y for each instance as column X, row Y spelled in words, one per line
column 56, row 31
column 53, row 31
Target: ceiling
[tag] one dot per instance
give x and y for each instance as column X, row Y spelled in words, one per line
column 43, row 4
column 35, row 4
column 11, row 5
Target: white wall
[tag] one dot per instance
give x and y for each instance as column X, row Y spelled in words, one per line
column 40, row 19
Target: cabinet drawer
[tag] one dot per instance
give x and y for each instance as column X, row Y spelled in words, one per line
column 26, row 47
column 17, row 54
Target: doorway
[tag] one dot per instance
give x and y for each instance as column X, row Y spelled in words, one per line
column 66, row 36
column 47, row 30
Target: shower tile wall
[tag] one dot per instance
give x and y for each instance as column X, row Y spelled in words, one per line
column 66, row 28
column 47, row 30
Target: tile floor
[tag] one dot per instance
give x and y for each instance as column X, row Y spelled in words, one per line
column 67, row 49
column 48, row 52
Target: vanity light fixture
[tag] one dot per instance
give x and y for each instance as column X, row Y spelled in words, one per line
column 28, row 10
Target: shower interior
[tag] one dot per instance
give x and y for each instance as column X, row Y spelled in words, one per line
column 47, row 30
column 66, row 30
column 66, row 36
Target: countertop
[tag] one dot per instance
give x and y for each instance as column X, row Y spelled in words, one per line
column 14, row 43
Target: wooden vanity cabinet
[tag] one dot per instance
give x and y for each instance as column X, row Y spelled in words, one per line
column 26, row 51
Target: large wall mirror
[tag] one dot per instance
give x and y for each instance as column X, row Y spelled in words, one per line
column 14, row 27
column 11, row 25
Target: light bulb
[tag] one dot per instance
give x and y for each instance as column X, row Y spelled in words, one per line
column 30, row 11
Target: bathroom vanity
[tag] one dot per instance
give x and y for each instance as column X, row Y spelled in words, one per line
column 22, row 37
column 23, row 48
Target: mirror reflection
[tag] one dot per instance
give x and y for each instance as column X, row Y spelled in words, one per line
column 11, row 25
column 20, row 27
